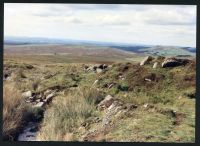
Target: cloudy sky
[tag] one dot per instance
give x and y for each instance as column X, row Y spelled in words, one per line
column 137, row 24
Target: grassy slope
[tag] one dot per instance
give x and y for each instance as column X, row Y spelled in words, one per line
column 141, row 125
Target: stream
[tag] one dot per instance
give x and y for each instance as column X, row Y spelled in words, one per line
column 29, row 132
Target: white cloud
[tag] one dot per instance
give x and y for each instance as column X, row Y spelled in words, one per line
column 149, row 24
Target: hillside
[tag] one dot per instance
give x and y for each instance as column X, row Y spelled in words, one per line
column 120, row 102
column 72, row 50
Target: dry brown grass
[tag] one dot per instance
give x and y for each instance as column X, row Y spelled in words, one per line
column 64, row 116
column 12, row 111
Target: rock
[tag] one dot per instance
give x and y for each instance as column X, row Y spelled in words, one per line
column 180, row 97
column 97, row 120
column 47, row 92
column 94, row 67
column 121, row 77
column 89, row 68
column 105, row 66
column 29, row 66
column 39, row 104
column 149, row 80
column 49, row 97
column 148, row 106
column 145, row 105
column 86, row 67
column 38, row 100
column 32, row 98
column 106, row 102
column 146, row 60
column 130, row 106
column 27, row 94
column 98, row 70
column 111, row 111
column 155, row 65
column 101, row 66
column 110, row 66
column 173, row 62
column 115, row 106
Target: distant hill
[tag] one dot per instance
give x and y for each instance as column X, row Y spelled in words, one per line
column 168, row 51
column 110, row 46
column 68, row 50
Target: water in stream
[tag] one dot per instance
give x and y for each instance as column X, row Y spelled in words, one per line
column 29, row 133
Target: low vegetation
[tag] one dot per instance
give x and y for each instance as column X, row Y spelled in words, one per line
column 66, row 114
column 14, row 112
column 162, row 101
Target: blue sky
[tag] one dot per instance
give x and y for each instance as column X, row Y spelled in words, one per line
column 143, row 24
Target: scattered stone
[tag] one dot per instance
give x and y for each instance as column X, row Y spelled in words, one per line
column 145, row 105
column 32, row 98
column 173, row 62
column 98, row 70
column 110, row 66
column 146, row 60
column 86, row 67
column 101, row 66
column 180, row 97
column 38, row 100
column 130, row 106
column 47, row 92
column 106, row 102
column 27, row 101
column 29, row 66
column 39, row 104
column 97, row 120
column 105, row 66
column 121, row 77
column 27, row 94
column 94, row 67
column 155, row 65
column 49, row 97
column 149, row 80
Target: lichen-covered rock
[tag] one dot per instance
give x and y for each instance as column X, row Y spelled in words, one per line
column 146, row 60
column 106, row 102
column 98, row 70
column 27, row 94
column 173, row 62
column 155, row 65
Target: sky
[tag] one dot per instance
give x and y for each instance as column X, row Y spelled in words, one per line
column 173, row 25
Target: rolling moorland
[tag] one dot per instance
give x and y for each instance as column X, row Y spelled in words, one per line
column 103, row 92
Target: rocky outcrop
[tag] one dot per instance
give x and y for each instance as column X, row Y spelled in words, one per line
column 155, row 65
column 146, row 60
column 112, row 109
column 173, row 62
column 98, row 68
column 105, row 103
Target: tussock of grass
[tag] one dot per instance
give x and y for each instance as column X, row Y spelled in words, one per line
column 13, row 111
column 65, row 115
